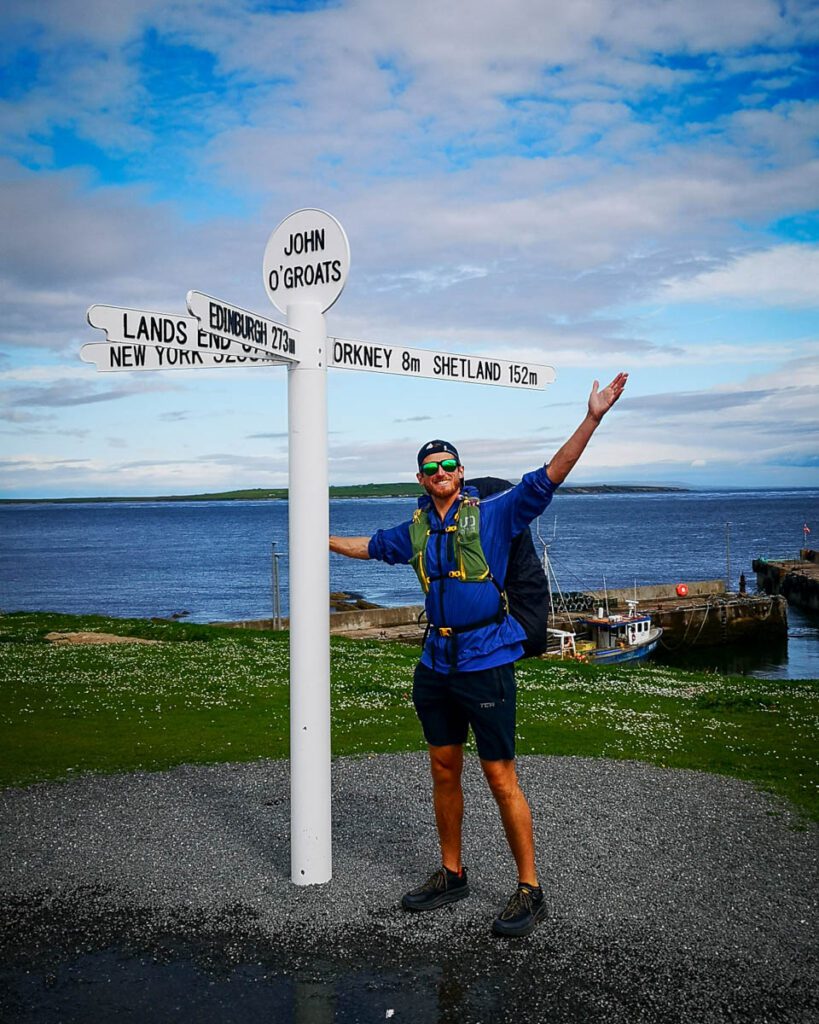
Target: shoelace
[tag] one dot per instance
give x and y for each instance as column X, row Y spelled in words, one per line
column 435, row 881
column 521, row 899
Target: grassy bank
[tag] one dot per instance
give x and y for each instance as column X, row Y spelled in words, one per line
column 211, row 694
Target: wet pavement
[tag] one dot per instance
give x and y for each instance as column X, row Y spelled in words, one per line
column 674, row 896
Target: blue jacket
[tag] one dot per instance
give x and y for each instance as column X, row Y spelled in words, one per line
column 451, row 602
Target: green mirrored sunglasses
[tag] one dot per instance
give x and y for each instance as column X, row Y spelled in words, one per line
column 447, row 465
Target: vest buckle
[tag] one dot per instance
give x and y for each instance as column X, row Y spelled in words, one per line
column 445, row 631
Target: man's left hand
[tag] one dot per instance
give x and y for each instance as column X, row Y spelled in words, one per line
column 601, row 401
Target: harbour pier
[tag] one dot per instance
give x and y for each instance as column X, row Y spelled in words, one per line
column 706, row 615
column 796, row 579
column 700, row 613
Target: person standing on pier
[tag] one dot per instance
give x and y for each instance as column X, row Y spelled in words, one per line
column 459, row 548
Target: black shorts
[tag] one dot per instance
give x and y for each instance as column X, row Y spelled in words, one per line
column 448, row 704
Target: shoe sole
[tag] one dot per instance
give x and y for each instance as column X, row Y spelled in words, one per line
column 511, row 932
column 452, row 896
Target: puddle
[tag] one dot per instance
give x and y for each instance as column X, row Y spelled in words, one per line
column 77, row 961
column 115, row 985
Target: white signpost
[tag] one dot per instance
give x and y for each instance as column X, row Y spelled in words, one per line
column 306, row 264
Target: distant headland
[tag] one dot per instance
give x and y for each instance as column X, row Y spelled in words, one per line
column 396, row 490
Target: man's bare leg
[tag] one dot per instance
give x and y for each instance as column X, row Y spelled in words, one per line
column 446, row 765
column 515, row 815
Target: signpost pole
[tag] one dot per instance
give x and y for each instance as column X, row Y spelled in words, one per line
column 309, row 519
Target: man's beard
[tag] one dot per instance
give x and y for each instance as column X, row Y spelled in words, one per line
column 444, row 488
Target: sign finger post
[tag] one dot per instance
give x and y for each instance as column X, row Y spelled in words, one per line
column 305, row 267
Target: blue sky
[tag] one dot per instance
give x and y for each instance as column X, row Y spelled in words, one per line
column 601, row 185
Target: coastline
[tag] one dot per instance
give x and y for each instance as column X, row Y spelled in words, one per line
column 391, row 490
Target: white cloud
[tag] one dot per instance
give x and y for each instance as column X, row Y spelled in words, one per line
column 785, row 133
column 100, row 475
column 787, row 275
column 44, row 374
column 512, row 177
column 433, row 278
column 764, row 420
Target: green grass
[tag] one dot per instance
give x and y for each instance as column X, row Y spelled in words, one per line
column 211, row 694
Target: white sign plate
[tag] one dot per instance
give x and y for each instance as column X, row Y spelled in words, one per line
column 421, row 362
column 225, row 321
column 132, row 356
column 143, row 326
column 307, row 259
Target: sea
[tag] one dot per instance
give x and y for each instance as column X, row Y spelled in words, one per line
column 212, row 561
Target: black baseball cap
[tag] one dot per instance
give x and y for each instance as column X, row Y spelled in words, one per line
column 437, row 446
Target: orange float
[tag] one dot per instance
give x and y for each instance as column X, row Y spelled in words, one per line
column 682, row 590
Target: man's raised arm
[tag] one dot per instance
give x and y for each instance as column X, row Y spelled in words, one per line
column 352, row 547
column 600, row 402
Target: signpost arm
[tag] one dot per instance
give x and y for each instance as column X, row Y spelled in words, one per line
column 309, row 520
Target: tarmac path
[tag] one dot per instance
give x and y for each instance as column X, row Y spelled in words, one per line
column 674, row 896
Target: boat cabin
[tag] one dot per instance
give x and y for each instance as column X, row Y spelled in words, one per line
column 619, row 630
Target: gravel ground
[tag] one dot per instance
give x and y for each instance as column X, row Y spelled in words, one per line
column 674, row 896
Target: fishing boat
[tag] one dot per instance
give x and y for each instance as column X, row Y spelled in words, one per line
column 605, row 639
column 616, row 638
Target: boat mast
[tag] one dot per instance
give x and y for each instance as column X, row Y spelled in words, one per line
column 547, row 565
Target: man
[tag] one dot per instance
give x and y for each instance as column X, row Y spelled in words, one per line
column 459, row 548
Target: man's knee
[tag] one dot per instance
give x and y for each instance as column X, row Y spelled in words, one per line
column 502, row 779
column 446, row 764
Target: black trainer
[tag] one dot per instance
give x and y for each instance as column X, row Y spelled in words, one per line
column 523, row 912
column 442, row 886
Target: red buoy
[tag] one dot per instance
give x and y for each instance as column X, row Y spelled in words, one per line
column 682, row 590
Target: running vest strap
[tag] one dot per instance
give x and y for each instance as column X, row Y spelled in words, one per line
column 467, row 553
